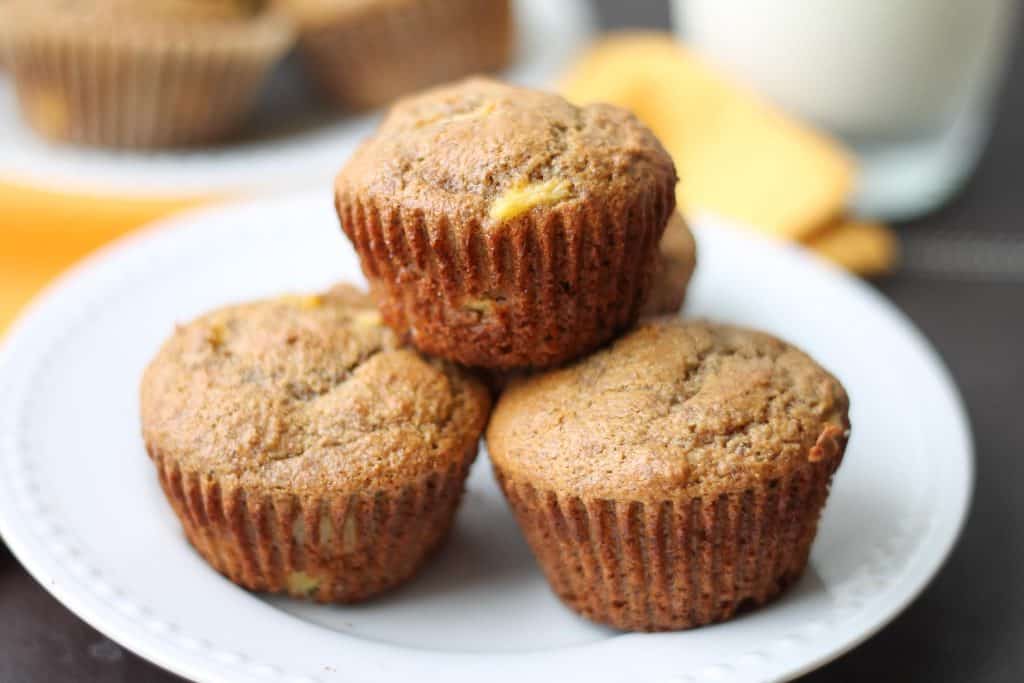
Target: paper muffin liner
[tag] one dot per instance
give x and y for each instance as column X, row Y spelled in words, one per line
column 367, row 57
column 535, row 291
column 676, row 564
column 140, row 85
column 329, row 548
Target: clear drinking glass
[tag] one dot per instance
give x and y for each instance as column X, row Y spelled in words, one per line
column 907, row 84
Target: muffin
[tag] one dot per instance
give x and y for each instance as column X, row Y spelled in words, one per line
column 503, row 227
column 673, row 477
column 677, row 259
column 123, row 73
column 366, row 53
column 304, row 449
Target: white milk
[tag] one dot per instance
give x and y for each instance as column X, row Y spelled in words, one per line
column 907, row 83
column 864, row 68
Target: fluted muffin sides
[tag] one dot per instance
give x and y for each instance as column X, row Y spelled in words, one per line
column 670, row 279
column 502, row 227
column 328, row 548
column 677, row 563
column 304, row 449
column 676, row 476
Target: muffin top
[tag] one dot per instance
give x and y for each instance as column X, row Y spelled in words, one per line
column 677, row 259
column 307, row 394
column 482, row 152
column 674, row 408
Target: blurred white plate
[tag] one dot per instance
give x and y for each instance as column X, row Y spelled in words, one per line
column 292, row 141
column 81, row 508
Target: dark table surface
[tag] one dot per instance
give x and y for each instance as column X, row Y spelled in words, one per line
column 963, row 284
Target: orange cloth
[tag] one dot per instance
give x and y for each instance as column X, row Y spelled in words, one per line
column 42, row 232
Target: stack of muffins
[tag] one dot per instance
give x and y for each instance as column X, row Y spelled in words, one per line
column 665, row 472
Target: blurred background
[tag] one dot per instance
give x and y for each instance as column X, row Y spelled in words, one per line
column 883, row 136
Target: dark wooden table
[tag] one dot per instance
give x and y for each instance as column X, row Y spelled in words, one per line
column 963, row 284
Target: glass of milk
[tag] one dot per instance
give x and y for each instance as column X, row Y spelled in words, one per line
column 908, row 84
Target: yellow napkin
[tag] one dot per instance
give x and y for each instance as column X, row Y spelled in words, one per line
column 736, row 155
column 43, row 232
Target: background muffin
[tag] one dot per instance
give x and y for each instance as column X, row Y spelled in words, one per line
column 671, row 478
column 673, row 268
column 140, row 74
column 366, row 53
column 304, row 449
column 503, row 227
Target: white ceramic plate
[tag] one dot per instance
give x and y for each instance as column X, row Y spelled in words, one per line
column 291, row 139
column 81, row 508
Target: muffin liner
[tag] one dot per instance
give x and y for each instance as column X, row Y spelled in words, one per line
column 139, row 85
column 673, row 564
column 367, row 57
column 330, row 548
column 538, row 290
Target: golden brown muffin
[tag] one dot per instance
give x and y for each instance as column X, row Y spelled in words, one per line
column 366, row 53
column 503, row 227
column 304, row 449
column 119, row 73
column 675, row 476
column 677, row 259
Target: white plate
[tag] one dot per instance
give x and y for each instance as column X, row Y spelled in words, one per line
column 291, row 140
column 81, row 508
